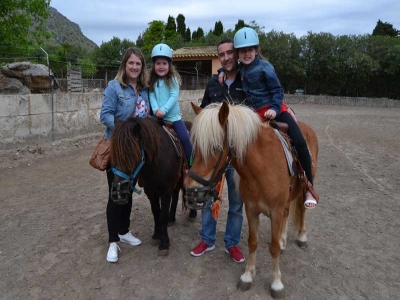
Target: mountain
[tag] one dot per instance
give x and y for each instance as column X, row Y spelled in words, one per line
column 65, row 30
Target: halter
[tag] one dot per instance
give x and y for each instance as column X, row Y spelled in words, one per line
column 120, row 196
column 197, row 196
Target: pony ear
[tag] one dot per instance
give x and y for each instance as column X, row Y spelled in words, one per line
column 197, row 109
column 223, row 113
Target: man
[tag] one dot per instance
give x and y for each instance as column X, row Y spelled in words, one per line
column 232, row 92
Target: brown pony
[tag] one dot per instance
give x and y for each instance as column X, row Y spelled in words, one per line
column 223, row 133
column 142, row 151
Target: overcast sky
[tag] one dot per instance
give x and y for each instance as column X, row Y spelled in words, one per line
column 101, row 20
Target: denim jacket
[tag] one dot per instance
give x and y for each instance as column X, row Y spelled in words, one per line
column 261, row 85
column 120, row 102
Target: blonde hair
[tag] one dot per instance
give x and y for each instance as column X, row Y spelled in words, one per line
column 143, row 80
column 172, row 72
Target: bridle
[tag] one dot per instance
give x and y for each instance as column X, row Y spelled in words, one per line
column 198, row 196
column 120, row 196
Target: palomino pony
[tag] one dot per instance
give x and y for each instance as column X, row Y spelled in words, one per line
column 141, row 150
column 224, row 134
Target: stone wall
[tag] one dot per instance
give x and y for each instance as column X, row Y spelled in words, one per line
column 38, row 118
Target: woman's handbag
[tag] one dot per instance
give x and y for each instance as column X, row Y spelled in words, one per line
column 101, row 154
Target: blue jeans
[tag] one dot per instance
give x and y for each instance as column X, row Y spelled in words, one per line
column 235, row 216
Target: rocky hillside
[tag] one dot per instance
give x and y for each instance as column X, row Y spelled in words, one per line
column 65, row 30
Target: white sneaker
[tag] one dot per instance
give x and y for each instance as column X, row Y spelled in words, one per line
column 130, row 239
column 112, row 254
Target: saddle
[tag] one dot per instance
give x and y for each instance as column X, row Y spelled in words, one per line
column 168, row 127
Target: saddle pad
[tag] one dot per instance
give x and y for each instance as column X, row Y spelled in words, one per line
column 288, row 153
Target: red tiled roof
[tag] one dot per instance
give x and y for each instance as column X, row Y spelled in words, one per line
column 205, row 51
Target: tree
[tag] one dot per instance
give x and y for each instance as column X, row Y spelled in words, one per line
column 154, row 34
column 88, row 67
column 385, row 29
column 109, row 54
column 187, row 35
column 171, row 25
column 22, row 23
column 181, row 27
column 218, row 28
column 240, row 24
column 198, row 34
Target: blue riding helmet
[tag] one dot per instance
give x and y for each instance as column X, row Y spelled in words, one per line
column 245, row 37
column 161, row 50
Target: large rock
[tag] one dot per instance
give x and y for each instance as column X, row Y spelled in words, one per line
column 35, row 78
column 12, row 86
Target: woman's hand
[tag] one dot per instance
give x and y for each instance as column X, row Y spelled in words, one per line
column 159, row 114
column 270, row 114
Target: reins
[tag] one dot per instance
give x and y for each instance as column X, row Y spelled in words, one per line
column 130, row 178
column 193, row 195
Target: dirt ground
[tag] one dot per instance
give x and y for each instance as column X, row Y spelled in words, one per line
column 53, row 235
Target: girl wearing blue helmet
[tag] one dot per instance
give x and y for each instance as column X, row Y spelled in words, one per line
column 164, row 93
column 265, row 93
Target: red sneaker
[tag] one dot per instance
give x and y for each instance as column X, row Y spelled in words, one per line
column 236, row 254
column 201, row 248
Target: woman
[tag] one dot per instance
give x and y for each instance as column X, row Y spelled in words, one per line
column 125, row 96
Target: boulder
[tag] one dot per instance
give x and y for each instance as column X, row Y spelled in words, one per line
column 12, row 86
column 35, row 77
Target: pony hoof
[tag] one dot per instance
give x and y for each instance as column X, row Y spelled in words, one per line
column 243, row 286
column 170, row 224
column 302, row 245
column 277, row 294
column 192, row 214
column 163, row 252
column 155, row 242
column 282, row 251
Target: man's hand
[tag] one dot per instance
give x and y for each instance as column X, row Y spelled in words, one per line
column 270, row 114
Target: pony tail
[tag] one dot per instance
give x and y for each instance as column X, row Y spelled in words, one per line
column 297, row 211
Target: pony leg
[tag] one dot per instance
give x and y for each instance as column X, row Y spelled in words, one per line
column 164, row 242
column 283, row 236
column 274, row 249
column 155, row 209
column 172, row 211
column 247, row 277
column 298, row 212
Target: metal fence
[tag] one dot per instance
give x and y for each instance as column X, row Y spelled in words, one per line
column 189, row 82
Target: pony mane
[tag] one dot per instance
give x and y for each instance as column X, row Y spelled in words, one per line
column 127, row 140
column 208, row 136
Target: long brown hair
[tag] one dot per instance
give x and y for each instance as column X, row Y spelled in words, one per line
column 143, row 79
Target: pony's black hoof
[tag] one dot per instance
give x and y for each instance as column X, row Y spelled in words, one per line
column 192, row 214
column 171, row 223
column 282, row 251
column 302, row 245
column 163, row 252
column 155, row 242
column 277, row 294
column 243, row 286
